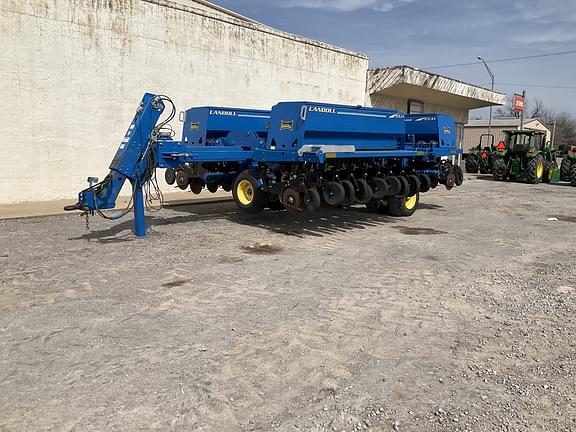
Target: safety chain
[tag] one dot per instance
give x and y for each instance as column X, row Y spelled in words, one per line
column 87, row 222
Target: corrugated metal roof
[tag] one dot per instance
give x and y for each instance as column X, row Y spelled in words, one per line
column 384, row 78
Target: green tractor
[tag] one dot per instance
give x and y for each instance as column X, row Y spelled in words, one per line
column 568, row 166
column 524, row 156
column 480, row 158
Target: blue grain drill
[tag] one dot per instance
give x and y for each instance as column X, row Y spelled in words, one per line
column 293, row 157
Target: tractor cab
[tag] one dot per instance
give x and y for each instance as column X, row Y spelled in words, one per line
column 524, row 141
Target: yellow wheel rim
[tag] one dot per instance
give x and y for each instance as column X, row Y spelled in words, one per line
column 245, row 192
column 410, row 202
column 539, row 169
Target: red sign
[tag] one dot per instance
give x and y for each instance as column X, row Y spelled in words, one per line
column 518, row 103
column 501, row 146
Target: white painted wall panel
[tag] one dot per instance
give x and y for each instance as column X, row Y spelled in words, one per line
column 73, row 71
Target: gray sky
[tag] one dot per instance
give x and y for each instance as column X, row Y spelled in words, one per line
column 429, row 33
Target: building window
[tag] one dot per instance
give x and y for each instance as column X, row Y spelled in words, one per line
column 415, row 107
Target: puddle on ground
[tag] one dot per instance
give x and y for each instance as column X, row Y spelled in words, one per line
column 261, row 249
column 418, row 231
column 176, row 283
column 566, row 218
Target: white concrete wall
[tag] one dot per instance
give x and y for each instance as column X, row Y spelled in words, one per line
column 73, row 71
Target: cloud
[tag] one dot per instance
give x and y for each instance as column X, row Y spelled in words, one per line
column 548, row 36
column 348, row 5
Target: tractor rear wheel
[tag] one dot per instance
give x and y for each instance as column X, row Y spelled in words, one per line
column 247, row 195
column 565, row 168
column 403, row 206
column 535, row 169
column 573, row 175
column 499, row 169
column 472, row 164
column 549, row 167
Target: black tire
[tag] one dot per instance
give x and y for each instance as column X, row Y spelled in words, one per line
column 425, row 182
column 404, row 186
column 196, row 185
column 333, row 193
column 403, row 206
column 549, row 167
column 535, row 169
column 349, row 193
column 472, row 164
column 212, row 187
column 376, row 206
column 311, row 200
column 182, row 179
column 499, row 169
column 227, row 186
column 170, row 176
column 273, row 203
column 414, row 183
column 363, row 191
column 395, row 185
column 573, row 175
column 248, row 196
column 434, row 182
column 380, row 188
column 565, row 168
column 459, row 175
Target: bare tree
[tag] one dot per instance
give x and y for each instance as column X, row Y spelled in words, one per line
column 565, row 128
column 507, row 111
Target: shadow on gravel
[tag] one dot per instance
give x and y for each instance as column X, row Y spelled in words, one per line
column 326, row 221
column 320, row 223
column 564, row 184
column 488, row 177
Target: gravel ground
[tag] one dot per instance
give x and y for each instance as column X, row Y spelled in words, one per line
column 460, row 318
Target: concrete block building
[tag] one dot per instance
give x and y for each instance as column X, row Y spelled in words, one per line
column 73, row 71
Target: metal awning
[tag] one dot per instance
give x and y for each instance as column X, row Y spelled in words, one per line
column 410, row 83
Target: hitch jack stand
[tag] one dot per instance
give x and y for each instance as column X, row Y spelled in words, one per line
column 139, row 218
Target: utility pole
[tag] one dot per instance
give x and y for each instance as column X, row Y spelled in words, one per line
column 522, row 112
column 491, row 88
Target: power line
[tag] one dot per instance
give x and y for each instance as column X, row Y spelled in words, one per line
column 532, row 85
column 509, row 59
column 537, row 85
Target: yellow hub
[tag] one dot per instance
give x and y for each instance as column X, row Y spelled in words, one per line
column 540, row 169
column 245, row 192
column 410, row 202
